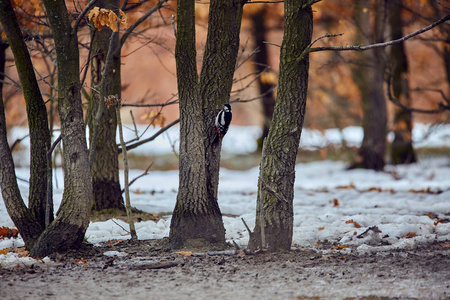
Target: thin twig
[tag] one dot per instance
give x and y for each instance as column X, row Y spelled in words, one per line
column 246, row 226
column 126, row 173
column 17, row 141
column 135, row 145
column 378, row 45
column 151, row 105
column 81, row 16
column 139, row 21
column 138, row 177
column 120, row 226
column 442, row 107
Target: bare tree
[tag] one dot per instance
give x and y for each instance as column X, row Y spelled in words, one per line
column 401, row 148
column 197, row 214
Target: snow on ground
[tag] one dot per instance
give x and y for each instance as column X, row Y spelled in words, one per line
column 366, row 210
column 242, row 139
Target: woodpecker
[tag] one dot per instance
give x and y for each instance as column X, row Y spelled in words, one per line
column 223, row 120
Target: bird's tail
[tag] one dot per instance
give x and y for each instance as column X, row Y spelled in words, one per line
column 217, row 138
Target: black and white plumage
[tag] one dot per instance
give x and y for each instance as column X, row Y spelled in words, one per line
column 223, row 120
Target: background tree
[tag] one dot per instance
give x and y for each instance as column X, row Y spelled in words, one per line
column 265, row 81
column 368, row 73
column 197, row 214
column 102, row 122
column 401, row 148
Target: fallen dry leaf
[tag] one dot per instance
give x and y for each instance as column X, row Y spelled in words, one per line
column 6, row 232
column 437, row 222
column 4, row 251
column 357, row 225
column 339, row 247
column 241, row 253
column 344, row 187
column 321, row 228
column 22, row 252
column 409, row 235
column 185, row 253
column 113, row 243
column 335, row 202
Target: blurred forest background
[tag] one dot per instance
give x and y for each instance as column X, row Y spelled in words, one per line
column 334, row 98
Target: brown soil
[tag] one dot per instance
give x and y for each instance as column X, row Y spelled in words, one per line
column 151, row 272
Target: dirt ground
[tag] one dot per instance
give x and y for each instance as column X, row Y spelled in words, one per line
column 150, row 272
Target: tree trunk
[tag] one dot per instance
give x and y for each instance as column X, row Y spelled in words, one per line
column 369, row 76
column 192, row 217
column 68, row 229
column 402, row 151
column 197, row 214
column 277, row 172
column 105, row 165
column 30, row 221
column 259, row 31
column 219, row 63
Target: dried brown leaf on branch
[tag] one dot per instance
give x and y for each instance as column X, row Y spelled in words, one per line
column 155, row 117
column 102, row 17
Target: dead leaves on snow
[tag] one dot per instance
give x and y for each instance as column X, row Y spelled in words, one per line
column 6, row 232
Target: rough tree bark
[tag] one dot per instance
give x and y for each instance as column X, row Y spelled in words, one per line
column 219, row 63
column 402, row 151
column 369, row 76
column 277, row 172
column 105, row 165
column 68, row 228
column 30, row 221
column 197, row 214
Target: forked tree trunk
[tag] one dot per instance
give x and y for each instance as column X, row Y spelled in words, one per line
column 216, row 79
column 30, row 221
column 105, row 166
column 197, row 214
column 402, row 151
column 369, row 76
column 277, row 172
column 72, row 219
column 193, row 216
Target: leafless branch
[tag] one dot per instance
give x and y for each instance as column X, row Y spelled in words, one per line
column 152, row 104
column 377, row 45
column 81, row 16
column 442, row 106
column 246, row 226
column 145, row 173
column 162, row 130
column 140, row 20
column 432, row 90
